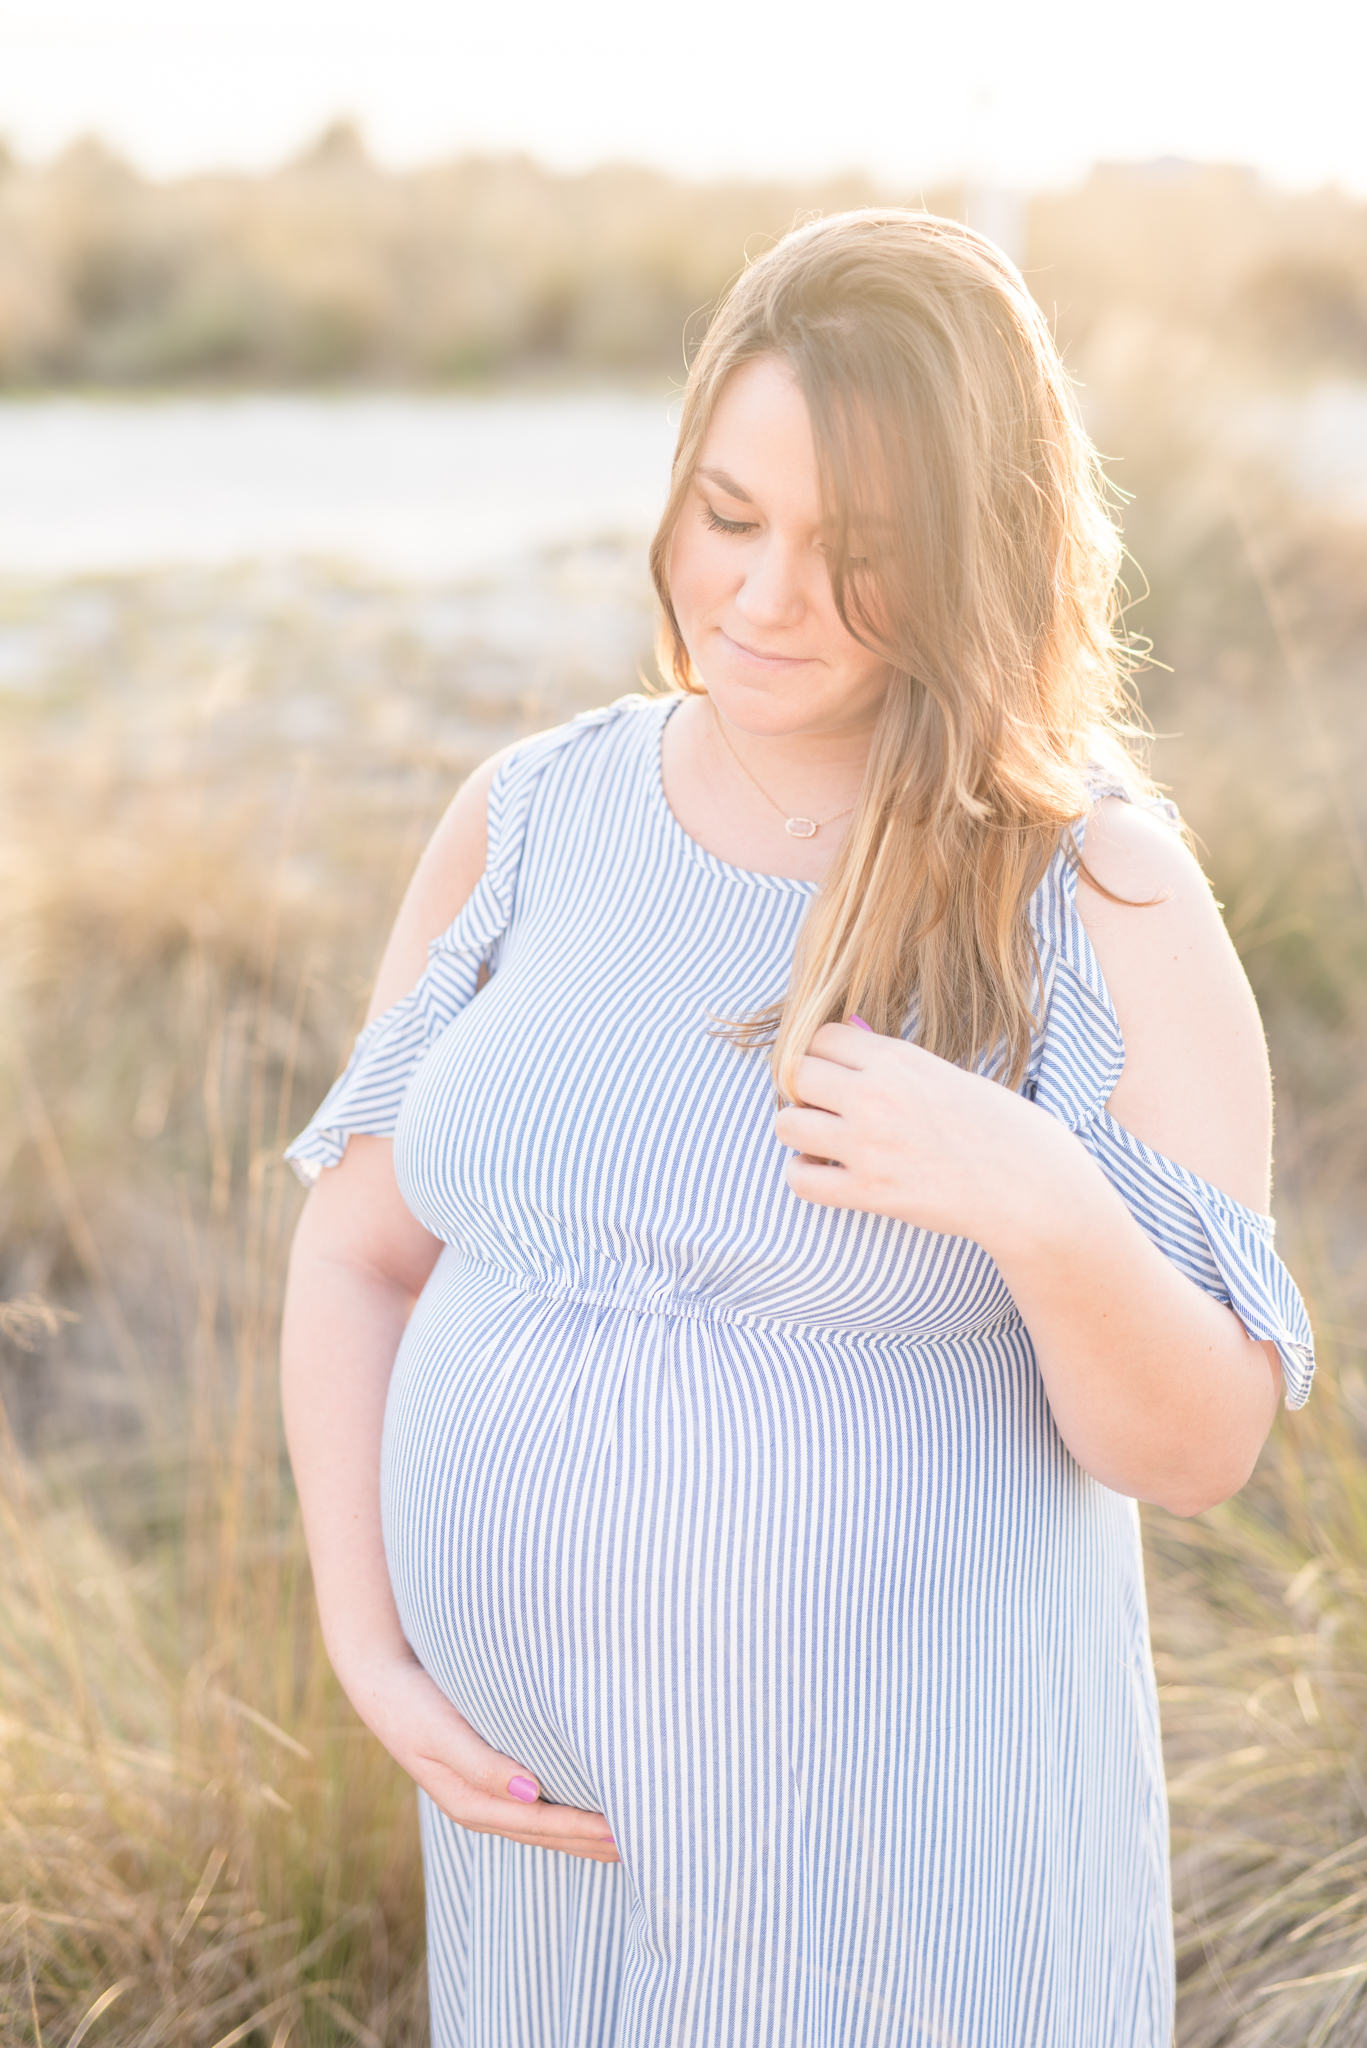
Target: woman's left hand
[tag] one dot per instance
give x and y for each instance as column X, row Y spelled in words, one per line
column 888, row 1127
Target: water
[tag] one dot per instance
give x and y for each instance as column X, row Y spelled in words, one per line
column 422, row 488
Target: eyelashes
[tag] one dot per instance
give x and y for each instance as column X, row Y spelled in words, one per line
column 720, row 525
column 857, row 564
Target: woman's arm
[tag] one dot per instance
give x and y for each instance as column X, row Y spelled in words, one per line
column 359, row 1260
column 1156, row 1388
column 1196, row 1084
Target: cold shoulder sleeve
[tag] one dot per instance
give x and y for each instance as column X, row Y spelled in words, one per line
column 368, row 1095
column 1225, row 1248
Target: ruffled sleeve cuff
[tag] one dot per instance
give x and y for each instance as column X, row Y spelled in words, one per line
column 369, row 1094
column 1225, row 1248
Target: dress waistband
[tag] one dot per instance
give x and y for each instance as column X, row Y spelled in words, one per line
column 669, row 1304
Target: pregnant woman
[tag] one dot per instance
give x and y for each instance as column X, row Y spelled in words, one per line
column 805, row 1179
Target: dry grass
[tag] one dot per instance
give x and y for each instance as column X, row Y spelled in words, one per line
column 199, row 1843
column 1260, row 1631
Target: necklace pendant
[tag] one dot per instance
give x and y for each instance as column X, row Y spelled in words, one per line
column 801, row 828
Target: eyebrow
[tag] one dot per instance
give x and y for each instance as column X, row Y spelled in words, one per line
column 728, row 484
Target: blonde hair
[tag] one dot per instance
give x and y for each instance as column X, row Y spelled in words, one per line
column 946, row 428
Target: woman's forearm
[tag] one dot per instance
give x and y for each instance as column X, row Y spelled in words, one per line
column 1156, row 1388
column 342, row 1326
column 344, row 1318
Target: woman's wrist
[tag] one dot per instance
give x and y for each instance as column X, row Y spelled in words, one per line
column 1041, row 1191
column 369, row 1672
column 361, row 1643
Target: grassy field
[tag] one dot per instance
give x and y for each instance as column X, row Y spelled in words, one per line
column 214, row 784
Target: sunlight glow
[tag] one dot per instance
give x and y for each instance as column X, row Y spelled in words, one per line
column 998, row 93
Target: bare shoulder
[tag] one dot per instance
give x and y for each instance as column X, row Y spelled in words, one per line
column 451, row 865
column 1195, row 1083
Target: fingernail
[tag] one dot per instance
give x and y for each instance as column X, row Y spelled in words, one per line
column 860, row 1025
column 525, row 1790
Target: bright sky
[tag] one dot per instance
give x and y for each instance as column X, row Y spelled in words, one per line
column 1009, row 92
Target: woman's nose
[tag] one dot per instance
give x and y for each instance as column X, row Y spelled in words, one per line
column 774, row 590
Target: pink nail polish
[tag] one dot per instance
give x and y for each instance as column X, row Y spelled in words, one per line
column 860, row 1025
column 524, row 1789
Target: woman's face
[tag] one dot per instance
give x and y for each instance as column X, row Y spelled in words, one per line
column 748, row 574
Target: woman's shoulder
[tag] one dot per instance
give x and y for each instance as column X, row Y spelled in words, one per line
column 626, row 721
column 1138, row 844
column 479, row 833
column 1138, row 876
column 486, row 814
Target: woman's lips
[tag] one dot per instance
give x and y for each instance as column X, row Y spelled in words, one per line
column 757, row 654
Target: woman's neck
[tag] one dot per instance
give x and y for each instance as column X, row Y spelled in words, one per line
column 776, row 804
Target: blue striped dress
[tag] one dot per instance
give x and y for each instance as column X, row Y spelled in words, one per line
column 742, row 1521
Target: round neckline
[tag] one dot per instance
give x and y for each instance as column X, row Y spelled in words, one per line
column 692, row 848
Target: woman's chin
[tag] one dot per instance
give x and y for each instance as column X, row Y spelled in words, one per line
column 769, row 709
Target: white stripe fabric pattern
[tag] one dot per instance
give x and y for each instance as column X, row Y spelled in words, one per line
column 742, row 1521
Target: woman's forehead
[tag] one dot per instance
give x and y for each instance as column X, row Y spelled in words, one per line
column 761, row 436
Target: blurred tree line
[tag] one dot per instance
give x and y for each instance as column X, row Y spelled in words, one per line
column 334, row 269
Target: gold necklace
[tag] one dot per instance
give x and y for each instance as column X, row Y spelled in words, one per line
column 798, row 827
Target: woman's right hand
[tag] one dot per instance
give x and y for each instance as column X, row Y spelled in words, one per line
column 467, row 1779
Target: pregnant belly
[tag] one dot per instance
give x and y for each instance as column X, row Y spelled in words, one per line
column 609, row 1527
column 501, row 1491
column 787, row 1611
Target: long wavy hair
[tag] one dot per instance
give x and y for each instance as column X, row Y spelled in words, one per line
column 946, row 428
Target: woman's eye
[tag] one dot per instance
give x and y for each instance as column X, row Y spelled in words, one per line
column 720, row 525
column 857, row 557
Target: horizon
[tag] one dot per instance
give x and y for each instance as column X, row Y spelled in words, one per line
column 344, row 131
